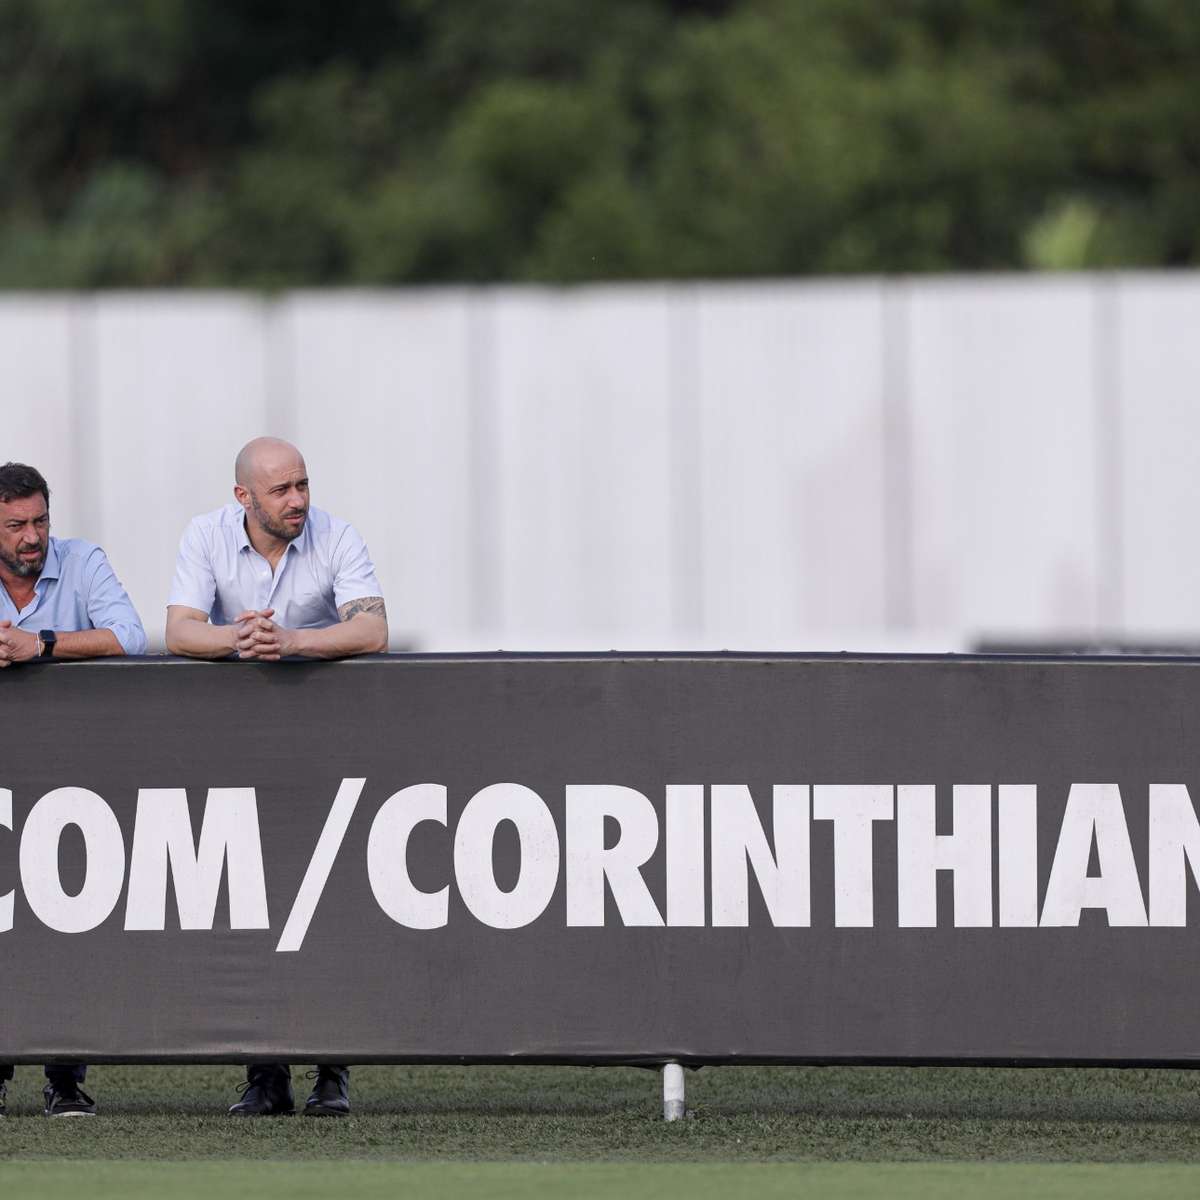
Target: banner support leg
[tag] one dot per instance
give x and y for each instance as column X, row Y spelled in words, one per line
column 673, row 1092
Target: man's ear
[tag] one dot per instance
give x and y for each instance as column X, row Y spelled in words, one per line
column 242, row 496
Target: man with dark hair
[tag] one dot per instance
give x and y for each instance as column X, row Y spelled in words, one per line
column 267, row 577
column 59, row 599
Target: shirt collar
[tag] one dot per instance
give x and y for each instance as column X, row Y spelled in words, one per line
column 53, row 565
column 244, row 543
column 301, row 540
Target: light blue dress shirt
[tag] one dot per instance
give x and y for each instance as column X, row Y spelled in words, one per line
column 220, row 573
column 78, row 590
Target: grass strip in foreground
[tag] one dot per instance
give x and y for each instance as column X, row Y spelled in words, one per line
column 583, row 1181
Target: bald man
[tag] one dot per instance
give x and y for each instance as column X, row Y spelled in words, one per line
column 268, row 577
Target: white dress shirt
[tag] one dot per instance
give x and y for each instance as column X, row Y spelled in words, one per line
column 219, row 572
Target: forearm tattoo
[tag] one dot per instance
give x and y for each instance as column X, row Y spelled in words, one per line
column 368, row 604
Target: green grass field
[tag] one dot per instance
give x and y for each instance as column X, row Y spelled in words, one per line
column 630, row 1181
column 501, row 1131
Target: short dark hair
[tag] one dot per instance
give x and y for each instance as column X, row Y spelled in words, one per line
column 19, row 482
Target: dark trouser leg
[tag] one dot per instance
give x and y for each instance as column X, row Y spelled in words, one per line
column 65, row 1073
column 284, row 1070
column 6, row 1072
column 274, row 1072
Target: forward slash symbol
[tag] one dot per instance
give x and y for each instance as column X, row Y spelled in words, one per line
column 321, row 863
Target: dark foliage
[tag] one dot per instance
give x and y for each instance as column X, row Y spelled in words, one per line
column 273, row 143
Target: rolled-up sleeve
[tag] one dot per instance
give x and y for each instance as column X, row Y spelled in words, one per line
column 354, row 573
column 109, row 606
column 194, row 584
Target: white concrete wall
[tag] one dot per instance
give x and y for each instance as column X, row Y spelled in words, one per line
column 823, row 465
column 1002, row 394
column 791, row 500
column 1156, row 361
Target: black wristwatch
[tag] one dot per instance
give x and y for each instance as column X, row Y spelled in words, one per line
column 49, row 641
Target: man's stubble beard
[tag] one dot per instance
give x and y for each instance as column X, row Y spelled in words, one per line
column 276, row 528
column 25, row 569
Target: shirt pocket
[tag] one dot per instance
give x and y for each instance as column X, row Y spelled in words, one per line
column 309, row 608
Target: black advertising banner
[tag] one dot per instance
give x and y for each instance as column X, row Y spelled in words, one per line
column 601, row 858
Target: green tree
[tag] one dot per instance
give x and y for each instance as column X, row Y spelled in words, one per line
column 273, row 143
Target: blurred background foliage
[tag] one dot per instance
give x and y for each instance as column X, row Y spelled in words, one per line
column 276, row 143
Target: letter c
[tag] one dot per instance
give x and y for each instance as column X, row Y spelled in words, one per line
column 39, row 860
column 387, row 857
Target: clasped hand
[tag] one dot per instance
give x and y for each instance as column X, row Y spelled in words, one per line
column 16, row 645
column 257, row 636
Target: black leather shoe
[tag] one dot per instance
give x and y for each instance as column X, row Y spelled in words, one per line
column 68, row 1099
column 266, row 1093
column 330, row 1096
